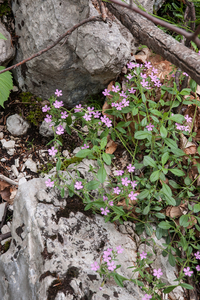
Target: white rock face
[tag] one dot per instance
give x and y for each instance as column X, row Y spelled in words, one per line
column 16, row 125
column 92, row 56
column 7, row 51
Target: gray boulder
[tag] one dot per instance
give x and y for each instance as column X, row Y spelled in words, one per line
column 7, row 51
column 93, row 55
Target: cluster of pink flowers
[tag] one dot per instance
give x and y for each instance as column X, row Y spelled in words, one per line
column 107, row 259
column 106, row 121
column 182, row 127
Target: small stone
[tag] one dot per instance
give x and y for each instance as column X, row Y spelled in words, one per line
column 15, row 171
column 16, row 125
column 66, row 153
column 122, row 229
column 129, row 230
column 2, row 209
column 31, row 165
column 17, row 162
column 1, row 135
column 3, row 159
column 22, row 180
column 11, row 151
column 7, row 144
column 76, row 150
column 45, row 129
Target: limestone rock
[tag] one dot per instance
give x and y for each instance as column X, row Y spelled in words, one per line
column 31, row 165
column 92, row 56
column 9, row 146
column 7, row 51
column 16, row 125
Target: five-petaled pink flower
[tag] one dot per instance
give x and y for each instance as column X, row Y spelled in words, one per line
column 60, row 130
column 119, row 172
column 146, row 297
column 148, row 64
column 104, row 211
column 105, row 198
column 188, row 119
column 197, row 255
column 143, row 255
column 78, row 108
column 52, row 151
column 130, row 168
column 49, row 183
column 150, row 127
column 45, row 108
column 106, row 92
column 78, row 185
column 129, row 76
column 64, row 115
column 125, row 181
column 186, row 74
column 111, row 203
column 111, row 266
column 132, row 91
column 119, row 249
column 198, row 268
column 58, row 93
column 116, row 190
column 85, row 146
column 58, row 104
column 133, row 196
column 115, row 88
column 48, row 118
column 134, row 184
column 87, row 117
column 96, row 114
column 158, row 273
column 187, row 271
column 95, row 266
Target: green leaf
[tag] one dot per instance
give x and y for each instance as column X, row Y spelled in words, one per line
column 101, row 174
column 146, row 210
column 107, row 159
column 69, row 120
column 177, row 172
column 92, row 185
column 148, row 161
column 171, row 143
column 68, row 129
column 58, row 165
column 118, row 210
column 198, row 149
column 174, row 184
column 143, row 194
column 164, row 225
column 88, row 206
column 149, row 229
column 169, row 289
column 103, row 142
column 183, row 221
column 154, row 176
column 2, row 37
column 160, row 216
column 171, row 260
column 166, row 190
column 196, row 208
column 165, row 158
column 187, row 180
column 83, row 153
column 170, row 200
column 134, row 111
column 183, row 243
column 156, row 112
column 141, row 135
column 185, row 92
column 119, row 279
column 159, row 233
column 163, row 132
column 177, row 151
column 144, row 98
column 186, row 286
column 6, row 84
column 193, row 85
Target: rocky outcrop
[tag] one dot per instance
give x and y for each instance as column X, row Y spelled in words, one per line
column 7, row 51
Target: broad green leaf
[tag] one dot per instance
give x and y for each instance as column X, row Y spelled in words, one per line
column 193, row 85
column 107, row 159
column 177, row 172
column 166, row 190
column 6, row 84
column 2, row 37
column 185, row 92
column 196, row 208
column 156, row 112
column 183, row 220
column 177, row 151
column 149, row 229
column 58, row 165
column 134, row 111
column 144, row 98
column 160, row 216
column 171, row 143
column 144, row 194
column 144, row 122
column 146, row 210
column 184, row 243
column 169, row 289
column 165, row 158
column 103, row 142
column 141, row 135
column 88, row 206
column 148, row 161
column 159, row 233
column 92, row 185
column 177, row 118
column 186, row 286
column 69, row 120
column 119, row 279
column 83, row 153
column 118, row 210
column 163, row 132
column 174, row 184
column 101, row 174
column 170, row 200
column 171, row 260
column 164, row 225
column 68, row 129
column 154, row 176
column 198, row 149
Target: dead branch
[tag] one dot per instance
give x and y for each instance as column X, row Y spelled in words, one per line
column 161, row 43
column 91, row 19
column 5, row 236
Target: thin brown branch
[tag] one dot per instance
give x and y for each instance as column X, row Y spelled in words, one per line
column 5, row 236
column 91, row 19
column 103, row 10
column 189, row 36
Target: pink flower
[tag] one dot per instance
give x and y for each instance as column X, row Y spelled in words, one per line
column 45, row 108
column 143, row 255
column 78, row 108
column 122, row 94
column 106, row 92
column 133, row 196
column 111, row 266
column 130, row 168
column 108, row 251
column 125, row 103
column 96, row 114
column 154, row 70
column 130, row 65
column 106, row 256
column 132, row 91
column 85, row 147
column 87, row 117
column 94, row 266
column 197, row 255
column 125, row 181
column 119, row 172
column 115, row 88
column 119, row 249
column 134, row 184
column 146, row 297
column 111, row 203
column 52, row 151
column 129, row 76
column 90, row 110
column 58, row 104
column 106, row 121
column 60, row 130
column 104, row 211
column 178, row 126
column 119, row 106
column 64, row 115
column 143, row 75
column 105, row 198
column 158, row 273
column 157, row 83
column 150, row 127
column 58, row 93
column 186, row 74
column 144, row 83
column 148, row 64
column 116, row 190
column 48, row 118
column 199, row 52
column 49, row 183
column 187, row 271
column 198, row 268
column 78, row 185
column 188, row 119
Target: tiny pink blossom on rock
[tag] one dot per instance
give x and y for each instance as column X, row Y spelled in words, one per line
column 49, row 183
column 111, row 266
column 119, row 249
column 158, row 273
column 60, row 130
column 58, row 104
column 58, row 93
column 48, row 118
column 52, row 151
column 95, row 266
column 150, row 127
column 64, row 115
column 143, row 255
column 45, row 108
column 187, row 271
column 78, row 185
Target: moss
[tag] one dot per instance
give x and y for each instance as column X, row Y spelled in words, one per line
column 6, row 246
column 70, row 161
column 5, row 9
